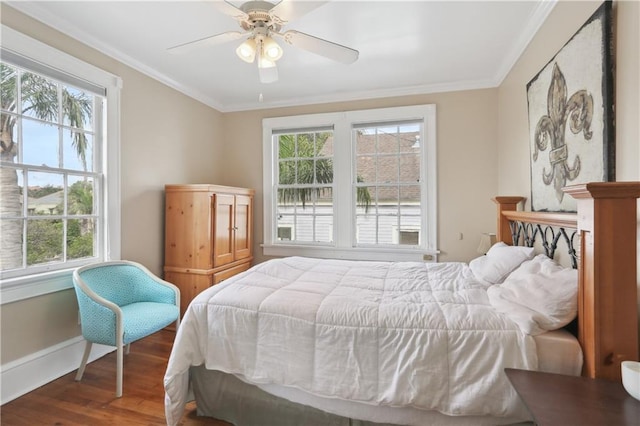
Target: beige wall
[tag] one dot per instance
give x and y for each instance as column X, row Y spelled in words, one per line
column 566, row 18
column 562, row 23
column 467, row 174
column 166, row 137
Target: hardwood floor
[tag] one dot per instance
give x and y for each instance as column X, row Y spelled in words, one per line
column 92, row 401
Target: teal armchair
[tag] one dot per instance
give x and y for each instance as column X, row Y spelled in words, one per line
column 121, row 302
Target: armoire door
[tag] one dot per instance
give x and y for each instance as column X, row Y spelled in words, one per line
column 223, row 232
column 243, row 221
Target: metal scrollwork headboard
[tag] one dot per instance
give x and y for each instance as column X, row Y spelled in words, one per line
column 526, row 234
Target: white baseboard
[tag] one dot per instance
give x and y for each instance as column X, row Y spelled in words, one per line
column 34, row 370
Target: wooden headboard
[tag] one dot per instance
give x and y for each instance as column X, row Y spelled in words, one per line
column 606, row 224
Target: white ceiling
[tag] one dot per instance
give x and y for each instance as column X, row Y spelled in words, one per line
column 406, row 47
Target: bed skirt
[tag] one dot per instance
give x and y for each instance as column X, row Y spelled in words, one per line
column 225, row 397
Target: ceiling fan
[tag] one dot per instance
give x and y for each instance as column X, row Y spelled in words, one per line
column 262, row 22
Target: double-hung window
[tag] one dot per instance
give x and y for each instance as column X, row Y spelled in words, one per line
column 304, row 189
column 354, row 185
column 59, row 178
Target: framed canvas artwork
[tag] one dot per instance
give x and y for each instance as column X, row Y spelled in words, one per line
column 570, row 102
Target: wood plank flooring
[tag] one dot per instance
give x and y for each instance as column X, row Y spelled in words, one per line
column 92, row 401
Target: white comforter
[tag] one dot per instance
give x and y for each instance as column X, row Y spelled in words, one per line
column 397, row 334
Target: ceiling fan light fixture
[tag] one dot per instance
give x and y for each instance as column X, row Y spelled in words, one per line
column 271, row 49
column 264, row 62
column 247, row 50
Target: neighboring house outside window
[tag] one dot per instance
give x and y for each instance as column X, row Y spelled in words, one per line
column 59, row 139
column 356, row 185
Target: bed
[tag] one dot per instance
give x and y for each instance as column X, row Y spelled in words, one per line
column 308, row 341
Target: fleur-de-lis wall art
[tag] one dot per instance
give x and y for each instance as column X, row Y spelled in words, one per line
column 551, row 128
column 570, row 102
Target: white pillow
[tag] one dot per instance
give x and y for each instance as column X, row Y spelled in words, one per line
column 539, row 296
column 500, row 261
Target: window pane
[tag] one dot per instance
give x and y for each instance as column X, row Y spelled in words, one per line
column 39, row 97
column 11, row 192
column 288, row 200
column 304, row 228
column 324, row 199
column 11, row 243
column 387, row 141
column 410, row 200
column 306, row 145
column 305, row 172
column 46, row 193
column 387, row 228
column 286, row 172
column 366, row 229
column 9, row 87
column 366, row 169
column 80, row 196
column 324, row 229
column 80, row 238
column 44, row 241
column 365, row 142
column 410, row 142
column 77, row 108
column 367, row 199
column 40, row 143
column 388, row 200
column 410, row 223
column 324, row 170
column 286, row 146
column 324, row 144
column 410, row 168
column 285, row 226
column 387, row 169
column 78, row 151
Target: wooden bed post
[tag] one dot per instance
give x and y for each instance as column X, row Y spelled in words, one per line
column 503, row 233
column 607, row 301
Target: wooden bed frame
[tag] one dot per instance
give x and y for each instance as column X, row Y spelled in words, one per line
column 606, row 224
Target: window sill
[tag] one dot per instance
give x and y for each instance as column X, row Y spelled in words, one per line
column 20, row 288
column 375, row 254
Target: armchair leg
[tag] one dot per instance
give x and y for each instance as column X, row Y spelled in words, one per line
column 119, row 361
column 83, row 363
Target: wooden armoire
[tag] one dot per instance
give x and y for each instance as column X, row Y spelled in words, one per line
column 208, row 236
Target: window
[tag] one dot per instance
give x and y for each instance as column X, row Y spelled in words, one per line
column 387, row 170
column 305, row 185
column 358, row 184
column 59, row 181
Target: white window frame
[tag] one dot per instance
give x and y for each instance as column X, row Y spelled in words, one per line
column 344, row 204
column 31, row 285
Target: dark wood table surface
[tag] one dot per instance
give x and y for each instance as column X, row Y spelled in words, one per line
column 555, row 399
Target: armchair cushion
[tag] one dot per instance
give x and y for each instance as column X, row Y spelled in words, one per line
column 144, row 318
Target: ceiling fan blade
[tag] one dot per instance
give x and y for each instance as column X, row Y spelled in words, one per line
column 321, row 47
column 287, row 10
column 230, row 10
column 209, row 41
